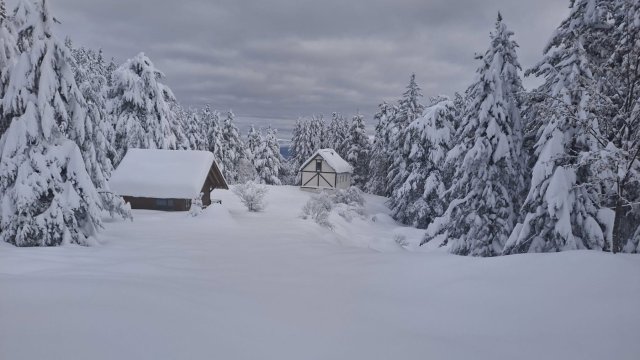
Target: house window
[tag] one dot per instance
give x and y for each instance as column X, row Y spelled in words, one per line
column 164, row 203
column 318, row 165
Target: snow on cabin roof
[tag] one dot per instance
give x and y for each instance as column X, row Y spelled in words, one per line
column 166, row 174
column 332, row 158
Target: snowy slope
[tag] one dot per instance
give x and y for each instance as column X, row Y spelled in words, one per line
column 237, row 285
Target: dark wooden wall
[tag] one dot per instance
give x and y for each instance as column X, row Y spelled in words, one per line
column 214, row 180
column 151, row 204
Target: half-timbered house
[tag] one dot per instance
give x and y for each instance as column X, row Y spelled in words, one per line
column 325, row 169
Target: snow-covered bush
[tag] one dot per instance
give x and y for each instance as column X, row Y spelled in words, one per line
column 251, row 195
column 351, row 196
column 349, row 203
column 349, row 212
column 401, row 240
column 196, row 206
column 318, row 208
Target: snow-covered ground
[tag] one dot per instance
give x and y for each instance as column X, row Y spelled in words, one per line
column 237, row 285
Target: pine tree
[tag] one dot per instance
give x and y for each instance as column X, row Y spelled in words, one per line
column 194, row 131
column 252, row 145
column 181, row 125
column 562, row 208
column 8, row 50
column 317, row 133
column 47, row 196
column 409, row 109
column 267, row 159
column 211, row 119
column 358, row 151
column 418, row 201
column 380, row 158
column 618, row 114
column 296, row 139
column 233, row 148
column 96, row 145
column 142, row 107
column 488, row 176
column 302, row 142
column 336, row 134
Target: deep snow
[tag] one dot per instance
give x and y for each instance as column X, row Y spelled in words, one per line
column 237, row 285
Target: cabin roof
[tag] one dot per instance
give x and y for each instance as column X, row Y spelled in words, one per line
column 168, row 174
column 332, row 158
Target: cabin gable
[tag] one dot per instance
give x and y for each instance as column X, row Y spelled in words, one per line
column 318, row 173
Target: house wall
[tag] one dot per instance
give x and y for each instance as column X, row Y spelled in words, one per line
column 206, row 192
column 310, row 178
column 152, row 203
column 344, row 181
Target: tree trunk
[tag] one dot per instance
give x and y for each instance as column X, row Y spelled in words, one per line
column 616, row 245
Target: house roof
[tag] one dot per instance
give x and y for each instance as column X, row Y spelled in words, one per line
column 168, row 174
column 332, row 158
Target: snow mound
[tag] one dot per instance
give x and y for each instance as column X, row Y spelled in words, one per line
column 218, row 214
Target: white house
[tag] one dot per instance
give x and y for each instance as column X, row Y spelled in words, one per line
column 325, row 169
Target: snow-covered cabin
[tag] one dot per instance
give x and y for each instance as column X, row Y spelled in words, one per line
column 325, row 169
column 166, row 179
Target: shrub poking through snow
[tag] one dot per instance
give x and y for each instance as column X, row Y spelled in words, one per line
column 318, row 208
column 401, row 240
column 251, row 195
column 349, row 203
column 351, row 196
column 196, row 206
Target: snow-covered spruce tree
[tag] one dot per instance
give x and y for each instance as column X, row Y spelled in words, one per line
column 409, row 109
column 8, row 50
column 296, row 140
column 141, row 105
column 180, row 123
column 252, row 145
column 337, row 132
column 611, row 32
column 302, row 142
column 232, row 148
column 620, row 100
column 460, row 104
column 488, row 173
column 317, row 133
column 285, row 172
column 358, row 151
column 211, row 119
column 181, row 116
column 46, row 195
column 419, row 199
column 266, row 159
column 562, row 208
column 195, row 131
column 96, row 145
column 626, row 97
column 380, row 161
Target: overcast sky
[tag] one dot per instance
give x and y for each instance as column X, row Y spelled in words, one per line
column 281, row 59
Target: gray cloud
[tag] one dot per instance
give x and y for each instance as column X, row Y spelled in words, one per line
column 281, row 59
